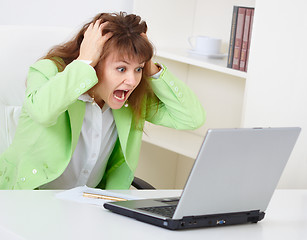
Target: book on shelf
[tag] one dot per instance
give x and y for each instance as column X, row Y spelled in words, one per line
column 245, row 39
column 240, row 38
column 249, row 38
column 232, row 36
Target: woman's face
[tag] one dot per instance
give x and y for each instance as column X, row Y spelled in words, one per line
column 117, row 78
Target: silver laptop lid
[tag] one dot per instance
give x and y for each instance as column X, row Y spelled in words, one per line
column 236, row 170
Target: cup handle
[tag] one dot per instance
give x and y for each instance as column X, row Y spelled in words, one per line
column 191, row 40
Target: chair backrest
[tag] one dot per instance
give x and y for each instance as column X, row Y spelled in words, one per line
column 20, row 47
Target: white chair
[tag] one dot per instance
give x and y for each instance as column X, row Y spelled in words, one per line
column 20, row 46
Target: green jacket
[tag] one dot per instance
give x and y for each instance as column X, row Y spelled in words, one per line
column 51, row 119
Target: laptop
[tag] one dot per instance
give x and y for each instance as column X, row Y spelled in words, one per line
column 231, row 182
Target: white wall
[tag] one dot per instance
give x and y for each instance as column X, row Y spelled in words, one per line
column 64, row 13
column 277, row 79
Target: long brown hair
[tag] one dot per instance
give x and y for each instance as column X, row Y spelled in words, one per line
column 126, row 41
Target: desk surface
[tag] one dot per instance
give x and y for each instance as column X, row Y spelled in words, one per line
column 40, row 215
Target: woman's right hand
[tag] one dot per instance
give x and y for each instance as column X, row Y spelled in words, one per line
column 93, row 41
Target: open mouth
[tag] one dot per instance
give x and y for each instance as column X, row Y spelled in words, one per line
column 120, row 94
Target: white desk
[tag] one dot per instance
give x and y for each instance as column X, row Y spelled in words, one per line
column 38, row 215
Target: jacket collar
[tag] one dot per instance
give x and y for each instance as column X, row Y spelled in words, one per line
column 123, row 118
column 76, row 113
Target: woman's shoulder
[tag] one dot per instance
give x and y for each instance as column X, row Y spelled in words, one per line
column 48, row 67
column 44, row 64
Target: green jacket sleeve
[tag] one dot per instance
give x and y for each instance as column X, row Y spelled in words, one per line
column 175, row 104
column 49, row 92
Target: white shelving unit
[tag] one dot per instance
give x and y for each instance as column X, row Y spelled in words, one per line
column 271, row 94
column 220, row 89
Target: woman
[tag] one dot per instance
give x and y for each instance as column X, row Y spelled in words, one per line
column 85, row 107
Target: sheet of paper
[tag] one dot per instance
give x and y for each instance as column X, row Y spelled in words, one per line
column 76, row 195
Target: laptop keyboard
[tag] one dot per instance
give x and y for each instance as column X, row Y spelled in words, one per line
column 166, row 211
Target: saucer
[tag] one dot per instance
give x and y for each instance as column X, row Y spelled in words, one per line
column 209, row 55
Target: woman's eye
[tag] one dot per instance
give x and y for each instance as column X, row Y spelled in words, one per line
column 139, row 69
column 121, row 69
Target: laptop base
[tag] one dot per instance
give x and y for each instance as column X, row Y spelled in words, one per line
column 192, row 221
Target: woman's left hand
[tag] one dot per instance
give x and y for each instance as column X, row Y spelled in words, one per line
column 153, row 68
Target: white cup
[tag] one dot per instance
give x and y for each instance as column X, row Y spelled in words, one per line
column 205, row 44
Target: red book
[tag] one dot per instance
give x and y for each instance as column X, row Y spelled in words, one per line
column 245, row 42
column 239, row 37
column 249, row 38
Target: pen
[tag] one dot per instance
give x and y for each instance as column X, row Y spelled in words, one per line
column 93, row 195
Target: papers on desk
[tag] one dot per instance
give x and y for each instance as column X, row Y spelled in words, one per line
column 76, row 195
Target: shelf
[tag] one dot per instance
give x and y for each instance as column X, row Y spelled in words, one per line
column 183, row 56
column 179, row 141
